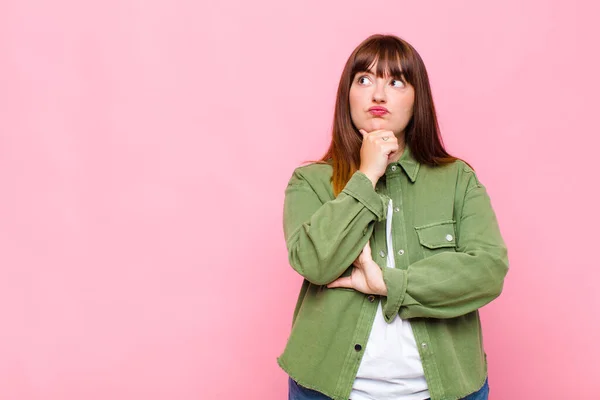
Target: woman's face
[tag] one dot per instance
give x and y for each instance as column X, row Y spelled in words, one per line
column 395, row 96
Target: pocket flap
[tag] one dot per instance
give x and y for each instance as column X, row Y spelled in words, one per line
column 438, row 234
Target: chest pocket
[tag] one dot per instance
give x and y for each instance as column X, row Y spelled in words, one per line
column 437, row 237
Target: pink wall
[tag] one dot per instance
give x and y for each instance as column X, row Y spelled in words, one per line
column 136, row 138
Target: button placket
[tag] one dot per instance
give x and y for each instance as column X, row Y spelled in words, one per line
column 394, row 185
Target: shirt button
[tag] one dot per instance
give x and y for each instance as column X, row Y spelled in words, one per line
column 449, row 237
column 371, row 298
column 357, row 347
column 397, row 209
column 424, row 345
column 382, row 253
column 393, row 167
column 401, row 252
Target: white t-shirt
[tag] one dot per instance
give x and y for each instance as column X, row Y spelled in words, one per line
column 391, row 367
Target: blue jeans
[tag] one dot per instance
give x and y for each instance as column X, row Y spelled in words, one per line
column 297, row 392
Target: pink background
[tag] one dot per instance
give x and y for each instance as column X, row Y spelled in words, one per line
column 144, row 152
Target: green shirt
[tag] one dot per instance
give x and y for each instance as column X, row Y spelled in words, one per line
column 450, row 261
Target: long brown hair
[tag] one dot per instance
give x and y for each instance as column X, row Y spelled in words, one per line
column 422, row 134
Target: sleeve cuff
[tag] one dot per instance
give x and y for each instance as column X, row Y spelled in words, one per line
column 361, row 188
column 396, row 281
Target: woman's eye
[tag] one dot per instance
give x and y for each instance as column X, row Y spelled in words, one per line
column 362, row 79
column 397, row 83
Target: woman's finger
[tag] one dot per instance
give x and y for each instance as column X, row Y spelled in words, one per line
column 345, row 281
column 377, row 133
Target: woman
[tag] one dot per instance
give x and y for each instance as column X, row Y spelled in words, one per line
column 398, row 245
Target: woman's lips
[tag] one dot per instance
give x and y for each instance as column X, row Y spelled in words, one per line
column 378, row 112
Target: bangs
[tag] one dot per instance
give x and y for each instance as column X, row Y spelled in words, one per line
column 390, row 56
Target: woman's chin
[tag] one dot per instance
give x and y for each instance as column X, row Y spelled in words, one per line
column 377, row 123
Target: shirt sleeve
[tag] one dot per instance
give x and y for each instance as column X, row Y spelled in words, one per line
column 324, row 239
column 451, row 284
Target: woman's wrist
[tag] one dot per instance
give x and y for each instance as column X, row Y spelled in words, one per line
column 372, row 178
column 380, row 287
column 382, row 291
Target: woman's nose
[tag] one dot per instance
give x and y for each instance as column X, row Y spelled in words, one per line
column 379, row 94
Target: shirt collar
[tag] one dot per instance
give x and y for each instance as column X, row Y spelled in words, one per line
column 409, row 164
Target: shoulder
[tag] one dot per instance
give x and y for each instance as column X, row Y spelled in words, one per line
column 315, row 168
column 447, row 170
column 312, row 173
column 458, row 171
column 466, row 178
column 314, row 177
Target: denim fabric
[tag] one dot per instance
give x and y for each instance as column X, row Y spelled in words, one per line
column 297, row 392
column 481, row 394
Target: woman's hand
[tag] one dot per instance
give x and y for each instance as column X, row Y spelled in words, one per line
column 367, row 277
column 375, row 152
